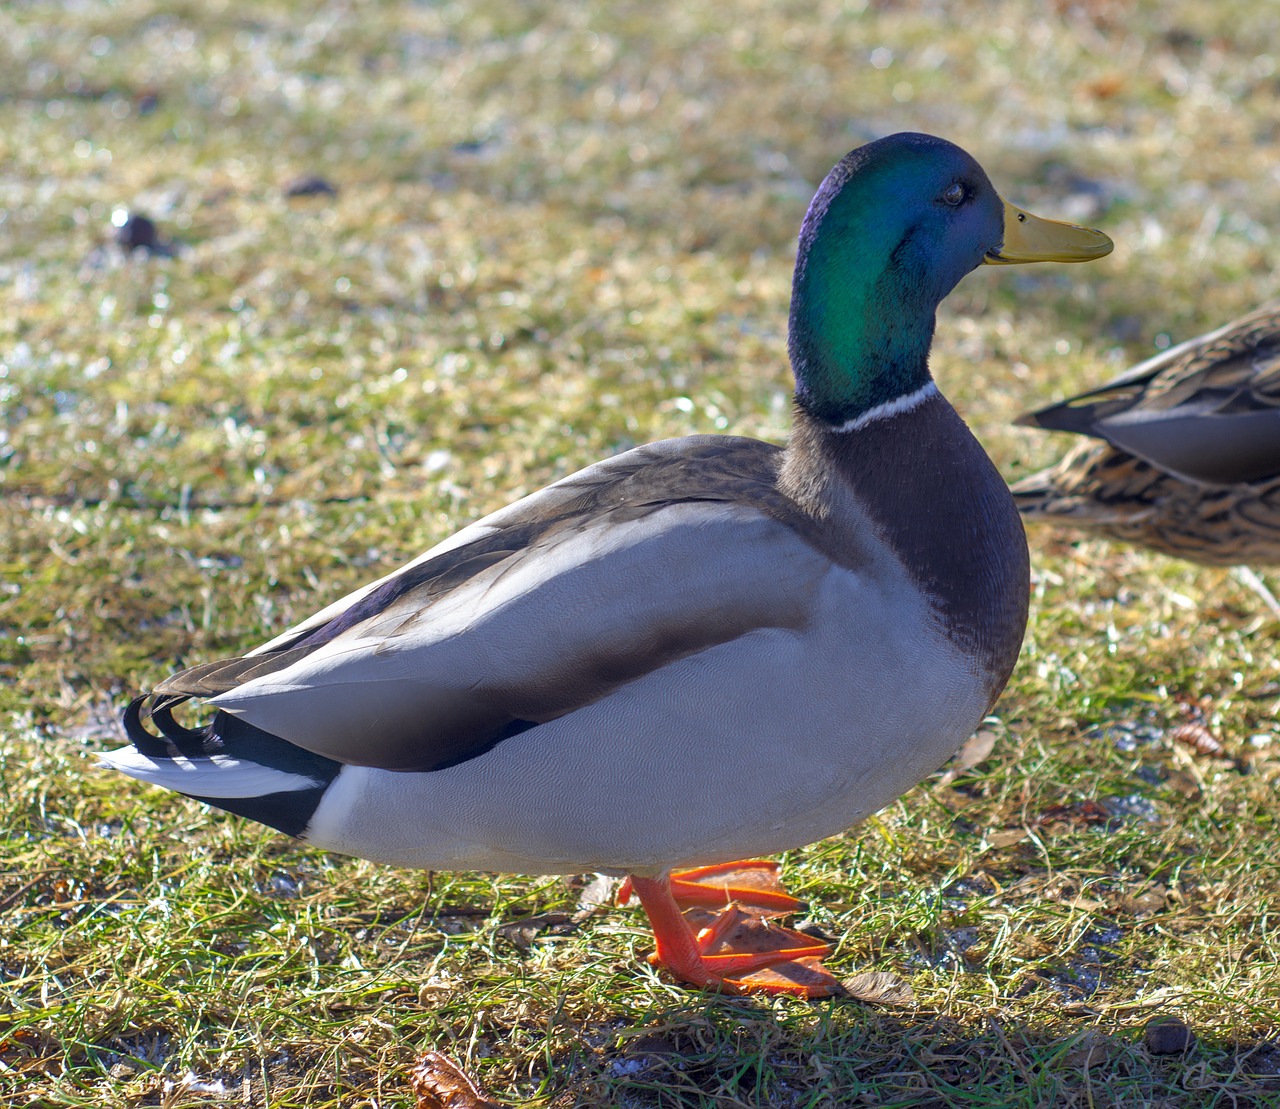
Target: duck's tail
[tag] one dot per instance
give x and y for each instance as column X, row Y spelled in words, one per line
column 228, row 763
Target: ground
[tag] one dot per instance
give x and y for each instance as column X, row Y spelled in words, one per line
column 550, row 232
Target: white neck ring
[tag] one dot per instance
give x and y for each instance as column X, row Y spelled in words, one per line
column 896, row 407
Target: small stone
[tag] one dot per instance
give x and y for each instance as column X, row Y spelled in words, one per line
column 1168, row 1036
column 310, row 185
column 135, row 231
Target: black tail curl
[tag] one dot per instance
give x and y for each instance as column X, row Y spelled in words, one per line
column 171, row 739
column 289, row 810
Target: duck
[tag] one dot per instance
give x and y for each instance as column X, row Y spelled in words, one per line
column 685, row 657
column 1181, row 455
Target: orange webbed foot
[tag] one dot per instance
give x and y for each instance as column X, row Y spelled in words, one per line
column 753, row 884
column 713, row 929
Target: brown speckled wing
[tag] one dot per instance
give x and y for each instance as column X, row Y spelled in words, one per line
column 1190, row 462
column 1109, row 492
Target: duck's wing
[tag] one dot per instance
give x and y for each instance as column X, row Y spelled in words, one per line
column 535, row 611
column 1208, row 410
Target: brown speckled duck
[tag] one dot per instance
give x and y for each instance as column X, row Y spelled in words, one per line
column 1183, row 454
column 699, row 650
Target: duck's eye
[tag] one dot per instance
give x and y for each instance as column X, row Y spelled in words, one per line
column 955, row 195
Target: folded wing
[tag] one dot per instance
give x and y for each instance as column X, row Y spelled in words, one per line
column 540, row 609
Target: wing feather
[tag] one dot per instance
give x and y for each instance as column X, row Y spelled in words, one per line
column 541, row 608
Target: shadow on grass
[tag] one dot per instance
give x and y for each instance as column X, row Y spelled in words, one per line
column 717, row 1052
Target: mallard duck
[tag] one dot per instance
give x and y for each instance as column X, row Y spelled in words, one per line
column 1188, row 461
column 697, row 651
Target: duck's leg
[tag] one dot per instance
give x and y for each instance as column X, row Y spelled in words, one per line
column 739, row 952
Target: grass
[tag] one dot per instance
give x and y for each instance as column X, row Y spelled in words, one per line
column 561, row 230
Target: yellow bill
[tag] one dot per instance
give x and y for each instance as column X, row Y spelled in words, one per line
column 1029, row 238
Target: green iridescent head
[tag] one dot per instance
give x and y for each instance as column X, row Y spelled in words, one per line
column 893, row 228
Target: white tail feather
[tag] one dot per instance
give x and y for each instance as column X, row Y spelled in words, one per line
column 214, row 776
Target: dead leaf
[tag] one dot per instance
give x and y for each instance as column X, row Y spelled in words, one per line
column 1182, row 782
column 441, row 1084
column 1007, row 837
column 1090, row 1051
column 523, row 932
column 1195, row 735
column 1149, row 901
column 1079, row 814
column 880, row 987
column 1105, row 87
column 975, row 750
column 598, row 893
column 1164, row 996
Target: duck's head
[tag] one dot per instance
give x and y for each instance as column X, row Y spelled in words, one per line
column 895, row 225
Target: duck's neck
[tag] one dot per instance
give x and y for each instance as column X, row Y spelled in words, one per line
column 859, row 339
